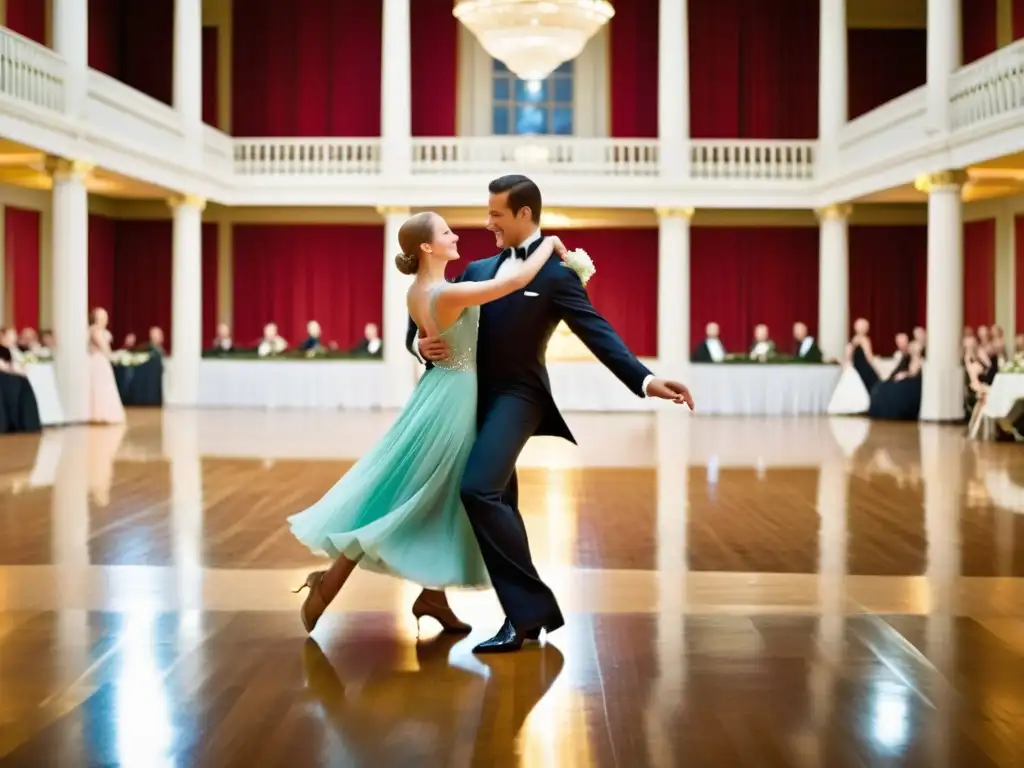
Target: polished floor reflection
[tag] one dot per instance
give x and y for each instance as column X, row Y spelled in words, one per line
column 752, row 592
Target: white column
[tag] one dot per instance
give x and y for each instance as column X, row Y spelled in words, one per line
column 832, row 76
column 942, row 397
column 396, row 90
column 71, row 41
column 943, row 59
column 674, row 292
column 1006, row 271
column 833, row 280
column 70, row 220
column 186, row 300
column 399, row 365
column 673, row 88
column 188, row 69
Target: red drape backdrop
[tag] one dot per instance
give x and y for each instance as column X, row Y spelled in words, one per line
column 742, row 276
column 28, row 18
column 980, row 272
column 888, row 280
column 884, row 64
column 147, row 47
column 633, row 74
column 1018, row 23
column 211, row 281
column 211, row 92
column 752, row 80
column 309, row 73
column 293, row 273
column 978, row 28
column 105, row 36
column 21, row 256
column 102, row 247
column 435, row 46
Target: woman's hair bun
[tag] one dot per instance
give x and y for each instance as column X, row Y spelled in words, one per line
column 407, row 263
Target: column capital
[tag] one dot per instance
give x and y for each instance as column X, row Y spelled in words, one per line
column 675, row 213
column 66, row 168
column 928, row 182
column 834, row 212
column 174, row 201
column 393, row 210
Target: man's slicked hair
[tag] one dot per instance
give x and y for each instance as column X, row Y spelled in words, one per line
column 522, row 193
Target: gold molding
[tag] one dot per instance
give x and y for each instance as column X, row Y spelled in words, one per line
column 393, row 210
column 193, row 200
column 834, row 212
column 928, row 182
column 67, row 168
column 684, row 213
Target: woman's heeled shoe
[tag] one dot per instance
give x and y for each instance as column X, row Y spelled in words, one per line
column 434, row 604
column 310, row 613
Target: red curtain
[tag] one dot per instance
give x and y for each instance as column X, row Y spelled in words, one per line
column 978, row 28
column 293, row 273
column 309, row 73
column 1018, row 272
column 147, row 47
column 211, row 93
column 747, row 77
column 21, row 256
column 211, row 281
column 1018, row 20
column 105, row 36
column 980, row 272
column 102, row 247
column 884, row 64
column 888, row 280
column 633, row 48
column 435, row 46
column 142, row 279
column 742, row 276
column 28, row 18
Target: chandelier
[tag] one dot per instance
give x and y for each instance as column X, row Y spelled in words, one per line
column 533, row 37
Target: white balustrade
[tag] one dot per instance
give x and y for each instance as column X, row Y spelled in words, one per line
column 989, row 88
column 131, row 117
column 752, row 160
column 30, row 73
column 306, row 157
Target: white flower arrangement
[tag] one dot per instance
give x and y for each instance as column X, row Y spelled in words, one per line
column 1014, row 365
column 579, row 261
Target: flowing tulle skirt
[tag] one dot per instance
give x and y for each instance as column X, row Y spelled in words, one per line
column 105, row 405
column 398, row 508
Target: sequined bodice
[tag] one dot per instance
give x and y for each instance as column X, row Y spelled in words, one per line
column 461, row 338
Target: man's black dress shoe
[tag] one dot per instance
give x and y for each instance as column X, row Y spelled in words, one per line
column 509, row 639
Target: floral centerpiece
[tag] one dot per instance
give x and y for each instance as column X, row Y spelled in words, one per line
column 1013, row 365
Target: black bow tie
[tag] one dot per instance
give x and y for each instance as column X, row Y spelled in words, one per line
column 515, row 253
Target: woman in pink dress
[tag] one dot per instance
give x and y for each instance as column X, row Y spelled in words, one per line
column 104, row 400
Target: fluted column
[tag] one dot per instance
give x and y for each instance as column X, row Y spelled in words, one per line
column 832, row 73
column 833, row 280
column 70, row 286
column 673, row 88
column 674, row 292
column 188, row 68
column 943, row 59
column 399, row 365
column 942, row 397
column 186, row 300
column 70, row 25
column 396, row 91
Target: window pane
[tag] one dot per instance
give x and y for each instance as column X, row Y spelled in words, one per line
column 502, row 89
column 563, row 89
column 501, row 126
column 563, row 121
column 531, row 91
column 531, row 120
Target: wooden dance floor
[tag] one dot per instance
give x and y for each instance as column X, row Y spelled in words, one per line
column 739, row 592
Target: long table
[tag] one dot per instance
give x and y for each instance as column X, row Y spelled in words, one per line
column 726, row 389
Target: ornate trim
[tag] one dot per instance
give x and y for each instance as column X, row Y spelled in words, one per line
column 194, row 201
column 834, row 212
column 61, row 167
column 679, row 213
column 929, row 182
column 394, row 210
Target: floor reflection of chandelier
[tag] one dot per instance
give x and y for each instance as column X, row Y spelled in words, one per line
column 533, row 37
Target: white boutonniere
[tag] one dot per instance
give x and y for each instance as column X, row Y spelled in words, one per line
column 579, row 261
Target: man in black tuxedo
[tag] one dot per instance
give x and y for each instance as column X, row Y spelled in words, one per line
column 805, row 347
column 515, row 401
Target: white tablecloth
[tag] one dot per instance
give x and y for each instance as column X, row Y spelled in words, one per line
column 290, row 383
column 44, row 384
column 1006, row 390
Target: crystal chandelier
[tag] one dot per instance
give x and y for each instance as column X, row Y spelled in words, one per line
column 533, row 37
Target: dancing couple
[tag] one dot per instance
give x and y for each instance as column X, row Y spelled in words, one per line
column 435, row 501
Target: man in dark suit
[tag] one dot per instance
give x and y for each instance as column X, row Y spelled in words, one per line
column 515, row 401
column 805, row 347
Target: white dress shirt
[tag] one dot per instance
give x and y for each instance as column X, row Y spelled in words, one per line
column 715, row 349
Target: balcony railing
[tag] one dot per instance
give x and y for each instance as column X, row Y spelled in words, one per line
column 752, row 160
column 306, row 157
column 31, row 73
column 991, row 87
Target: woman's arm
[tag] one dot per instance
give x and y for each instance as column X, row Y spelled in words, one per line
column 454, row 298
